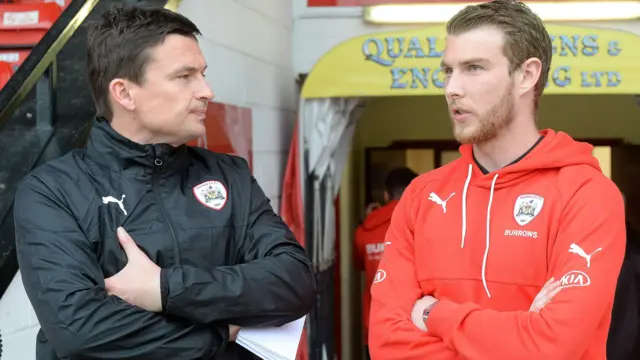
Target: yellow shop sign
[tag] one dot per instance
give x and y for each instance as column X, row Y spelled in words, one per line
column 585, row 61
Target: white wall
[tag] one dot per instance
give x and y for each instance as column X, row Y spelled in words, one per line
column 18, row 323
column 247, row 44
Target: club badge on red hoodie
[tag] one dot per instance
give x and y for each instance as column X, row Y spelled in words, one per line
column 484, row 245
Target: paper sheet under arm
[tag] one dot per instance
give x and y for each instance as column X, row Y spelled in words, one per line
column 273, row 343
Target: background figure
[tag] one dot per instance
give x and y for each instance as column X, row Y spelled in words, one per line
column 623, row 342
column 369, row 238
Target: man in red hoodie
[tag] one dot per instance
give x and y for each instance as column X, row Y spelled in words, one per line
column 473, row 243
column 369, row 237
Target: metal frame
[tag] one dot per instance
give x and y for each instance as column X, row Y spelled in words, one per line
column 38, row 72
column 42, row 57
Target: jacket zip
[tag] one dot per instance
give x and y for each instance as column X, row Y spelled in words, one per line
column 156, row 170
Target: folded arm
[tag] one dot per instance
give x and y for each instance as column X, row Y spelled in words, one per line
column 275, row 283
column 592, row 227
column 65, row 285
column 392, row 335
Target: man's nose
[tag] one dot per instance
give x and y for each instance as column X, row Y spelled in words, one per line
column 453, row 88
column 205, row 92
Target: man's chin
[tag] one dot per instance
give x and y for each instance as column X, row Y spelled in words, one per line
column 199, row 131
column 464, row 136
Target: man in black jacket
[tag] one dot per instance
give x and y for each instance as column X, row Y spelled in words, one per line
column 203, row 252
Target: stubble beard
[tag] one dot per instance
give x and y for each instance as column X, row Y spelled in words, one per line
column 488, row 125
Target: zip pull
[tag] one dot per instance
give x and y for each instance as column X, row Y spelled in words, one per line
column 157, row 161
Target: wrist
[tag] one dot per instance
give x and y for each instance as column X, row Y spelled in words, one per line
column 427, row 311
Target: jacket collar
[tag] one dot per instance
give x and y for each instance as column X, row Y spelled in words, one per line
column 108, row 148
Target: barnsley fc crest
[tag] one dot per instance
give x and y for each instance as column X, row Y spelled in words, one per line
column 527, row 207
column 211, row 194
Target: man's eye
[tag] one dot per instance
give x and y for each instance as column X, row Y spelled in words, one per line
column 474, row 67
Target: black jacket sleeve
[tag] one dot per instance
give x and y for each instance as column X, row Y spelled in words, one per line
column 65, row 285
column 274, row 284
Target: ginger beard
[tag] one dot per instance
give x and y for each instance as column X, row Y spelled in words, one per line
column 486, row 126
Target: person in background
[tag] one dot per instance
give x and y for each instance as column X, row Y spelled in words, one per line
column 513, row 250
column 369, row 237
column 139, row 246
column 623, row 342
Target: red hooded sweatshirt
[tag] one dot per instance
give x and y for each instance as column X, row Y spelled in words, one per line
column 369, row 245
column 484, row 245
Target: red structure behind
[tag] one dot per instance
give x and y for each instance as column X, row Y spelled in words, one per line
column 229, row 130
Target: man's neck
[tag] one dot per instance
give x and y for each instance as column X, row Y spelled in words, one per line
column 130, row 129
column 509, row 145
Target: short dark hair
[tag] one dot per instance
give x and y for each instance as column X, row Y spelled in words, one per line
column 397, row 181
column 119, row 44
column 524, row 33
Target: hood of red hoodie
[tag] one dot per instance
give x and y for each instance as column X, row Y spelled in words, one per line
column 379, row 216
column 556, row 150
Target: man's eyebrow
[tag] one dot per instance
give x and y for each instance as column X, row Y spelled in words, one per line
column 474, row 61
column 189, row 69
column 466, row 62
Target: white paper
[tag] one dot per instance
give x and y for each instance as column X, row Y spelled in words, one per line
column 273, row 343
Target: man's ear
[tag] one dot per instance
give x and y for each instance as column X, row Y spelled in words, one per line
column 120, row 90
column 529, row 73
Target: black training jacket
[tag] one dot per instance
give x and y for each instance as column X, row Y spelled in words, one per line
column 226, row 257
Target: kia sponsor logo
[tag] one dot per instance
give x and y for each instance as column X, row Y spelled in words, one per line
column 574, row 278
column 380, row 276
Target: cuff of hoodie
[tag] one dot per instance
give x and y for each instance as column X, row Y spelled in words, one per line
column 164, row 289
column 445, row 316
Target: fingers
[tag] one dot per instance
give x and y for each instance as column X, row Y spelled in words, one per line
column 550, row 289
column 129, row 246
column 554, row 292
column 233, row 332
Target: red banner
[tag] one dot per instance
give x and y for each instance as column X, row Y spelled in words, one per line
column 229, row 131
